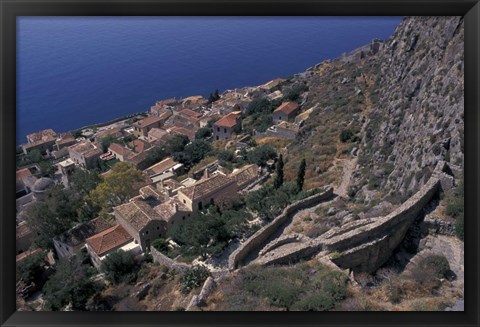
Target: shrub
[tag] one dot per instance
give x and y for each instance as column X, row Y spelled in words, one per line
column 346, row 135
column 161, row 245
column 193, row 278
column 119, row 267
column 436, row 264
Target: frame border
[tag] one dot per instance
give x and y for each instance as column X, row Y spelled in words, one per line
column 10, row 9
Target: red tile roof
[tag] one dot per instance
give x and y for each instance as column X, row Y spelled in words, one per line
column 191, row 113
column 22, row 173
column 22, row 256
column 44, row 135
column 229, row 120
column 287, row 107
column 147, row 121
column 188, row 132
column 139, row 145
column 161, row 166
column 109, row 239
column 207, row 186
column 120, row 150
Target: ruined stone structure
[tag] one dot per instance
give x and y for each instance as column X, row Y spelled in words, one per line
column 167, row 262
column 257, row 240
column 362, row 245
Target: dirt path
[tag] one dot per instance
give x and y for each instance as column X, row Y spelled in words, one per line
column 349, row 166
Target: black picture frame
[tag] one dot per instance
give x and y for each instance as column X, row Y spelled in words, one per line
column 10, row 9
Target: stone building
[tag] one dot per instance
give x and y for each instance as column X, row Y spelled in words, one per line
column 100, row 245
column 72, row 241
column 227, row 125
column 142, row 127
column 142, row 222
column 211, row 190
column 85, row 154
column 246, row 175
column 285, row 112
column 43, row 141
column 40, row 188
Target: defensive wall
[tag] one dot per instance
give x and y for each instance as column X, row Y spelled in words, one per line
column 258, row 239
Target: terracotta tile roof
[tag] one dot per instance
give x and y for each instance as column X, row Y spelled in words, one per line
column 245, row 175
column 65, row 138
column 138, row 158
column 44, row 135
column 120, row 150
column 82, row 147
column 139, row 145
column 109, row 239
column 116, row 132
column 23, row 173
column 229, row 120
column 194, row 99
column 147, row 121
column 22, row 256
column 158, row 133
column 273, row 83
column 287, row 107
column 79, row 233
column 150, row 191
column 207, row 186
column 161, row 166
column 172, row 184
column 23, row 230
column 167, row 209
column 191, row 113
column 137, row 213
column 93, row 153
column 188, row 132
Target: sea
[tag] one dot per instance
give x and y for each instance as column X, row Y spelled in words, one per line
column 77, row 71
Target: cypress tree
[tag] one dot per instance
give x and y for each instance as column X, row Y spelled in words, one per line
column 301, row 175
column 279, row 173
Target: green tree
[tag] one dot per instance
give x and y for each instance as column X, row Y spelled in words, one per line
column 176, row 144
column 46, row 168
column 203, row 133
column 119, row 267
column 30, row 268
column 261, row 154
column 301, row 175
column 117, row 187
column 278, row 173
column 53, row 216
column 83, row 181
column 71, row 283
column 107, row 141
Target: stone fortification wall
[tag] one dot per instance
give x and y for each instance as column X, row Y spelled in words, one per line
column 404, row 214
column 166, row 261
column 290, row 254
column 368, row 247
column 261, row 236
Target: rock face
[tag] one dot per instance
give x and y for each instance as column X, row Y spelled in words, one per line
column 417, row 107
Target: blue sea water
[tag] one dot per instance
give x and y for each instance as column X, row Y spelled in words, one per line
column 75, row 71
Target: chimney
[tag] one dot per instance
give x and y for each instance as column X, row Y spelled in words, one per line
column 206, row 174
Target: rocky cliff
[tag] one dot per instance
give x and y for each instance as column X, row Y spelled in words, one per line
column 417, row 116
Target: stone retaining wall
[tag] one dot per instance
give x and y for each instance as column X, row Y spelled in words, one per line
column 166, row 261
column 368, row 247
column 262, row 235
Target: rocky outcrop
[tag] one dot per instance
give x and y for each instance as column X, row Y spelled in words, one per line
column 417, row 110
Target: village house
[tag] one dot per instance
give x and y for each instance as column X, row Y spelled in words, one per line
column 141, row 221
column 163, row 106
column 120, row 152
column 187, row 118
column 246, row 175
column 211, row 190
column 115, row 133
column 115, row 238
column 226, row 126
column 24, row 182
column 283, row 130
column 285, row 112
column 193, row 102
column 66, row 167
column 72, row 241
column 139, row 146
column 42, row 141
column 167, row 166
column 272, row 85
column 158, row 135
column 140, row 160
column 85, row 153
column 188, row 132
column 142, row 127
column 24, row 237
column 64, row 140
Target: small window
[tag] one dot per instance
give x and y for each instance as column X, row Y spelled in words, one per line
column 158, row 227
column 217, row 137
column 183, row 217
column 173, row 222
column 184, row 201
column 189, row 215
column 224, row 130
column 146, row 233
column 218, row 129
